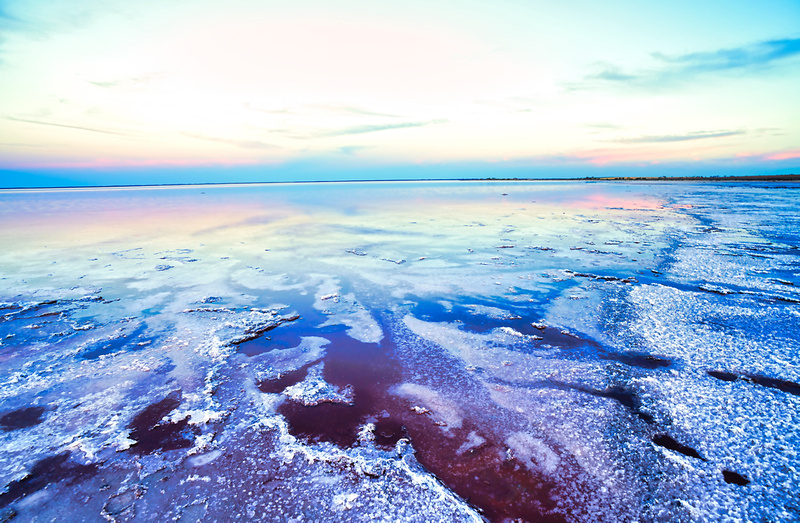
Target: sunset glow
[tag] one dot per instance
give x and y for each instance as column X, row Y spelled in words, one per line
column 318, row 90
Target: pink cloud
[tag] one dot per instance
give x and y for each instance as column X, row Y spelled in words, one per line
column 784, row 155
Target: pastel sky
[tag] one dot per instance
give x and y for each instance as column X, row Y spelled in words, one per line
column 108, row 91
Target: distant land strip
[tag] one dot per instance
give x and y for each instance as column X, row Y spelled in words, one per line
column 751, row 178
column 709, row 179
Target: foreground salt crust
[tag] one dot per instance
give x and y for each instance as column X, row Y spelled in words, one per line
column 636, row 361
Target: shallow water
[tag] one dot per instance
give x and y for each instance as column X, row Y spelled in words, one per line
column 544, row 351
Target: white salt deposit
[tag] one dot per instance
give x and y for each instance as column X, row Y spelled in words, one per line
column 635, row 346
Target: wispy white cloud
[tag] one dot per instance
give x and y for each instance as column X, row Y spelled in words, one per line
column 67, row 126
column 668, row 69
column 350, row 109
column 316, row 108
column 355, row 129
column 750, row 56
column 364, row 129
column 244, row 144
column 667, row 138
column 603, row 125
column 135, row 81
column 351, row 149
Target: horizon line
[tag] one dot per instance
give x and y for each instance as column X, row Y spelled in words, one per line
column 716, row 178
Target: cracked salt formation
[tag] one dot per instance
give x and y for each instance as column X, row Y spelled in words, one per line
column 563, row 352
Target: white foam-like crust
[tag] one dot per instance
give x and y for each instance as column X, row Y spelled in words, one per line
column 314, row 390
column 473, row 442
column 271, row 364
column 491, row 312
column 440, row 408
column 533, row 452
column 346, row 310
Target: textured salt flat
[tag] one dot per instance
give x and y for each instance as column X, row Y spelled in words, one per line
column 426, row 351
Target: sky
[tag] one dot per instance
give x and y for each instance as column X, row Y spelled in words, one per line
column 99, row 92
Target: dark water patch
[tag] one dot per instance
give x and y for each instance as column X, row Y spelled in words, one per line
column 40, row 320
column 332, row 422
column 625, row 397
column 499, row 487
column 602, row 277
column 389, row 430
column 431, row 311
column 538, row 335
column 49, row 309
column 307, row 323
column 370, row 369
column 127, row 342
column 715, row 289
column 734, row 478
column 34, row 309
column 668, row 442
column 628, row 399
column 290, row 335
column 722, row 375
column 151, row 434
column 772, row 383
column 286, row 379
column 22, row 418
column 49, row 470
column 764, row 381
column 639, row 359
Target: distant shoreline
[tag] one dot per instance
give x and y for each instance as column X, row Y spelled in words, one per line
column 708, row 179
column 755, row 178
